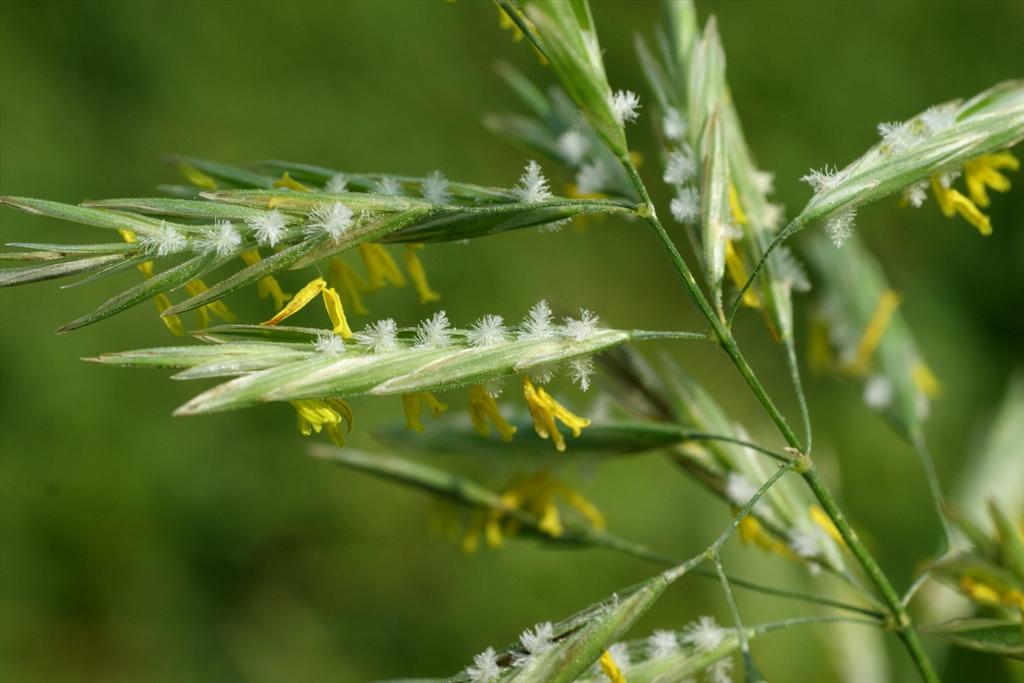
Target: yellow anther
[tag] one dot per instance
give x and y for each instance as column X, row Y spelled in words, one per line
column 299, row 301
column 738, row 274
column 819, row 349
column 483, row 412
column 735, row 207
column 505, row 21
column 545, row 410
column 610, row 668
column 316, row 414
column 751, row 532
column 581, row 505
column 349, row 284
column 380, row 266
column 951, row 202
column 819, row 517
column 925, row 381
column 267, row 286
column 983, row 173
column 218, row 308
column 172, row 322
column 550, row 521
column 290, row 183
column 161, row 300
column 336, row 312
column 196, row 177
column 875, row 330
column 979, row 592
column 418, row 274
column 413, row 406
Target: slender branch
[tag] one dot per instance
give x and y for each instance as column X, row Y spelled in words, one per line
column 648, row 334
column 701, row 436
column 934, row 488
column 783, row 235
column 750, row 670
column 798, row 388
column 903, row 624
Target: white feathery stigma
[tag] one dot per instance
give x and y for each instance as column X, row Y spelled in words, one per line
column 897, row 136
column 269, row 228
column 379, row 337
column 582, row 327
column 720, row 671
column 805, row 539
column 387, row 185
column 685, row 206
column 591, row 178
column 581, row 370
column 680, row 166
column 487, row 331
column 535, row 642
column 572, row 145
column 789, row 269
column 739, row 489
column 673, row 126
column 332, row 219
column 485, row 667
column 222, row 238
column 625, row 106
column 704, row 634
column 840, row 226
column 878, row 392
column 662, row 644
column 337, row 183
column 537, row 323
column 165, row 242
column 824, row 179
column 916, row 194
column 435, row 188
column 939, row 118
column 764, row 181
column 328, row 342
column 533, row 186
column 434, row 332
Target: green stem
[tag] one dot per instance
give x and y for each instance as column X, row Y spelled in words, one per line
column 750, row 670
column 903, row 624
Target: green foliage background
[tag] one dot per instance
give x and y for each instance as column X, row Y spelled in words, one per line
column 140, row 547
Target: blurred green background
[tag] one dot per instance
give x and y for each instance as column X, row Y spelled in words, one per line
column 137, row 547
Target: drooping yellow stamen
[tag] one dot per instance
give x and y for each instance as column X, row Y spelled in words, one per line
column 819, row 350
column 413, row 406
column 545, row 410
column 418, row 274
column 290, row 183
column 336, row 312
column 610, row 668
column 581, row 505
column 483, row 412
column 735, row 207
column 267, row 286
column 161, row 300
column 196, row 177
column 738, row 274
column 218, row 308
column 315, row 414
column 983, row 173
column 380, row 266
column 171, row 322
column 925, row 380
column 299, row 301
column 819, row 517
column 506, row 23
column 951, row 202
column 979, row 591
column 751, row 532
column 874, row 331
column 349, row 284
